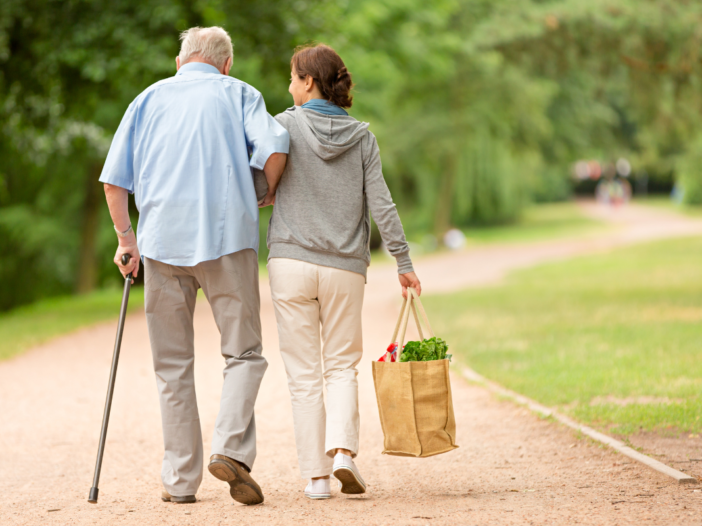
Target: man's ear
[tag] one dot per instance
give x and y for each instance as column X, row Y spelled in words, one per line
column 177, row 63
column 227, row 66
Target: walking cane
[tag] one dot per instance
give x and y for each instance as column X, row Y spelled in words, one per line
column 93, row 497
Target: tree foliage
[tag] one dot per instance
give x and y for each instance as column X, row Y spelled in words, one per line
column 68, row 71
column 479, row 105
column 484, row 104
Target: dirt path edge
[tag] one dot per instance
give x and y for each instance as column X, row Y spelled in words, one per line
column 682, row 478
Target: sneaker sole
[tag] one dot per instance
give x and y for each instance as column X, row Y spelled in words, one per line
column 350, row 483
column 318, row 496
column 242, row 487
column 180, row 500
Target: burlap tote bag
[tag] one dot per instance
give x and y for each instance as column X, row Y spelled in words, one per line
column 414, row 398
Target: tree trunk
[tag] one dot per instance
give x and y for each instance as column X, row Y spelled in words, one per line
column 87, row 264
column 444, row 201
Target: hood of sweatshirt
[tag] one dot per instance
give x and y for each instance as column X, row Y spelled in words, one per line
column 328, row 135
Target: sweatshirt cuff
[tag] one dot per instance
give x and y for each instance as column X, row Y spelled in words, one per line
column 404, row 263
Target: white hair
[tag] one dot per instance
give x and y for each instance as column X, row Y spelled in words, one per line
column 211, row 44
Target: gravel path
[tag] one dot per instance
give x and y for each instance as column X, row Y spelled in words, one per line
column 511, row 468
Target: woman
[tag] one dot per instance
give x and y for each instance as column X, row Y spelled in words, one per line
column 319, row 252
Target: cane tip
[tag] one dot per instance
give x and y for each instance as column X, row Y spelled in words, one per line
column 93, row 497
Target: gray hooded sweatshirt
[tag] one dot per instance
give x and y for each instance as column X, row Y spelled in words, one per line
column 332, row 181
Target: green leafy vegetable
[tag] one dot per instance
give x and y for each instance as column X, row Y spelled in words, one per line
column 425, row 351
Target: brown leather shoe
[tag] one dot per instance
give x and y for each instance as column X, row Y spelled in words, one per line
column 242, row 487
column 187, row 499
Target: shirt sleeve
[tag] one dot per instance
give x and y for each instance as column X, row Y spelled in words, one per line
column 119, row 165
column 264, row 135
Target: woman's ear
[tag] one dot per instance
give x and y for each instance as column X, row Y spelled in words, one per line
column 309, row 83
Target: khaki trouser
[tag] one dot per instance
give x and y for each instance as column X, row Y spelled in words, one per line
column 230, row 284
column 307, row 295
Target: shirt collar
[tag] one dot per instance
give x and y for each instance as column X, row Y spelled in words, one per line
column 200, row 67
column 325, row 107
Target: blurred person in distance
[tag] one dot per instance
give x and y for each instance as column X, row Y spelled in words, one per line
column 318, row 238
column 185, row 148
column 454, row 239
column 614, row 189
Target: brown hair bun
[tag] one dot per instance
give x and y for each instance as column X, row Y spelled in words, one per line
column 325, row 66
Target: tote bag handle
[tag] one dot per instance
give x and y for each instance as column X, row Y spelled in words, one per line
column 415, row 304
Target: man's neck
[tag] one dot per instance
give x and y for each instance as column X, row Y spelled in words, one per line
column 200, row 60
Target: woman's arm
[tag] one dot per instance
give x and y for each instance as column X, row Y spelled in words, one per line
column 385, row 215
column 273, row 171
column 266, row 180
column 260, row 185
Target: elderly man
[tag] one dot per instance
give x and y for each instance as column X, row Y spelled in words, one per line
column 186, row 148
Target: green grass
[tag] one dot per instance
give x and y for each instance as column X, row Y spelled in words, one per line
column 575, row 334
column 539, row 222
column 33, row 324
column 664, row 202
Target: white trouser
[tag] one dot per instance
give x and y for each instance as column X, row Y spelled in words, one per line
column 306, row 295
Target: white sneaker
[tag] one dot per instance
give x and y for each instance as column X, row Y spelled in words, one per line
column 346, row 472
column 318, row 489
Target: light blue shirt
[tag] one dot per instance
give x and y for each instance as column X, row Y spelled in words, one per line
column 186, row 148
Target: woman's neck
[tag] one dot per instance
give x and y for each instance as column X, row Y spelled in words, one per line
column 313, row 94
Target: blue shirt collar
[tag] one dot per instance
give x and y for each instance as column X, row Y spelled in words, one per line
column 201, row 67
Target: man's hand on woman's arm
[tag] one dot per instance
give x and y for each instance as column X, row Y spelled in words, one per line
column 275, row 165
column 118, row 203
column 410, row 280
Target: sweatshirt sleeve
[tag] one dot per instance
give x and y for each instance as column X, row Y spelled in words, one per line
column 382, row 207
column 260, row 183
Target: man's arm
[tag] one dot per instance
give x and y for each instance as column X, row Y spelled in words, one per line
column 118, row 203
column 118, row 178
column 273, row 169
